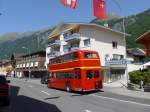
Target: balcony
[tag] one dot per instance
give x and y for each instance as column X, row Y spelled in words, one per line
column 116, row 62
column 53, row 54
column 55, row 43
column 75, row 36
column 74, row 48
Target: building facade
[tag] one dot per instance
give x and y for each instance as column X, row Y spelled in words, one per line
column 31, row 65
column 136, row 57
column 145, row 40
column 5, row 67
column 110, row 45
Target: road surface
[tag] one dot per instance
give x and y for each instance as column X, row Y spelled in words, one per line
column 29, row 97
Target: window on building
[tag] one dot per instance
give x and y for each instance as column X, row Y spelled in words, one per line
column 117, row 57
column 36, row 64
column 87, row 42
column 74, row 44
column 114, row 44
column 66, row 35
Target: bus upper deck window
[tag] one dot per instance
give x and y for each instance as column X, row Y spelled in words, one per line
column 75, row 55
column 90, row 55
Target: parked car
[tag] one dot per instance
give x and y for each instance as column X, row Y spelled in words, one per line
column 146, row 87
column 44, row 79
column 4, row 91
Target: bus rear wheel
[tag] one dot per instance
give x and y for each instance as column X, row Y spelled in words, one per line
column 68, row 87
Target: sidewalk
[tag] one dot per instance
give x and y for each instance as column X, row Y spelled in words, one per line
column 126, row 92
column 33, row 81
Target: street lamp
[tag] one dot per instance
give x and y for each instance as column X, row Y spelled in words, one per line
column 124, row 35
column 29, row 70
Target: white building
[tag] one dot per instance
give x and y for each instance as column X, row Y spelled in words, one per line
column 109, row 43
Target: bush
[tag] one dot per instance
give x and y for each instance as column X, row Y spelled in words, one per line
column 137, row 76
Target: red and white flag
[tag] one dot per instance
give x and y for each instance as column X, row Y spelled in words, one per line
column 70, row 3
column 100, row 9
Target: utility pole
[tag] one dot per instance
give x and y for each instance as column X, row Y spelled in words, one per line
column 124, row 35
column 29, row 69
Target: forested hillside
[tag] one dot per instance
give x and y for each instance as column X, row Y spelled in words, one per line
column 34, row 41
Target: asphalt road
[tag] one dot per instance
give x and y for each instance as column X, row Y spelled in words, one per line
column 28, row 97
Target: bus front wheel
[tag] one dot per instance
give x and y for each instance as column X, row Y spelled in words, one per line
column 68, row 87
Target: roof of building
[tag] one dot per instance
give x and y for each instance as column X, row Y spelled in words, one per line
column 5, row 62
column 16, row 56
column 144, row 38
column 136, row 52
column 62, row 27
column 35, row 53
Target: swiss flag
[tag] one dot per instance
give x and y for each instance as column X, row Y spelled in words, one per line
column 70, row 3
column 100, row 9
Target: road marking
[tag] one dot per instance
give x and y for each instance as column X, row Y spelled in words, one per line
column 30, row 86
column 114, row 99
column 45, row 92
column 87, row 111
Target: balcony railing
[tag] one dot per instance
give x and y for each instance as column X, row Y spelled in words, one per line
column 53, row 54
column 55, row 43
column 75, row 48
column 75, row 36
column 116, row 62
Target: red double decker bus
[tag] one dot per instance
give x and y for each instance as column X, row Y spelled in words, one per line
column 78, row 71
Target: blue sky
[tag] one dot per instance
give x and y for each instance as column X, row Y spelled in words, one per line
column 31, row 15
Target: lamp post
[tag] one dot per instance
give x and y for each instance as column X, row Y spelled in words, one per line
column 124, row 35
column 29, row 70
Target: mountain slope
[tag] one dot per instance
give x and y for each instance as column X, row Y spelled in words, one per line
column 34, row 41
column 8, row 37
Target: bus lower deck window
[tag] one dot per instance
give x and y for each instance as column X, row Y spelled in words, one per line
column 92, row 74
column 96, row 74
column 89, row 74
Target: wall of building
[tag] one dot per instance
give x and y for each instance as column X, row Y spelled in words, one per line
column 148, row 49
column 101, row 41
column 133, row 67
